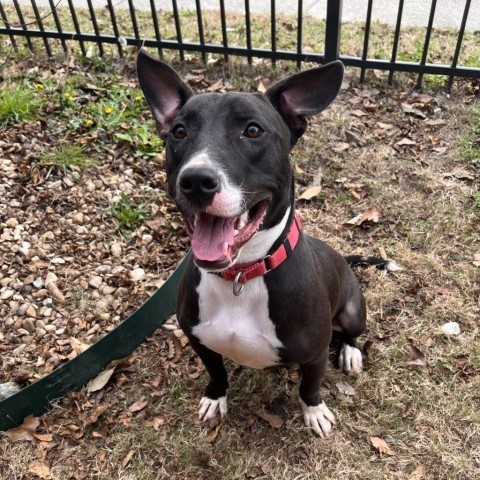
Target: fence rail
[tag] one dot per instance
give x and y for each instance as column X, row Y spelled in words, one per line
column 55, row 24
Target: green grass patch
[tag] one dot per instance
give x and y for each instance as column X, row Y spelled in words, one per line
column 469, row 149
column 67, row 159
column 19, row 103
column 128, row 215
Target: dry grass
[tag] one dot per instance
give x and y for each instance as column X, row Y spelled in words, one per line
column 428, row 415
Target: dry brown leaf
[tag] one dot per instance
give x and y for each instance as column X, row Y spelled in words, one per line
column 298, row 169
column 418, row 473
column 276, row 421
column 93, row 417
column 100, row 380
column 382, row 446
column 310, row 192
column 434, row 123
column 340, row 147
column 175, row 350
column 138, row 405
column 370, row 215
column 25, row 431
column 217, row 86
column 346, row 388
column 127, row 458
column 358, row 113
column 418, row 358
column 406, row 141
column 476, row 259
column 214, row 431
column 40, row 470
column 43, row 437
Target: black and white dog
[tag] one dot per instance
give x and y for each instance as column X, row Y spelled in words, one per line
column 256, row 289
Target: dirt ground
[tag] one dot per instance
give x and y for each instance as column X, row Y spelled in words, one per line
column 84, row 243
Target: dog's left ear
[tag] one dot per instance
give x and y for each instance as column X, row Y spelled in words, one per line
column 165, row 91
column 304, row 94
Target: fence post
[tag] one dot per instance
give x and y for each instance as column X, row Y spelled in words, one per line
column 333, row 29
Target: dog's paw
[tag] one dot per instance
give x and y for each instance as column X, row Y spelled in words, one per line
column 209, row 408
column 350, row 359
column 319, row 418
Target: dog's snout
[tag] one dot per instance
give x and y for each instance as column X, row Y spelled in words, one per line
column 200, row 183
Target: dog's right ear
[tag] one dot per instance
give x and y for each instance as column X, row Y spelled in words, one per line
column 165, row 91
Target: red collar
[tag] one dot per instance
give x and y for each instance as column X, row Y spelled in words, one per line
column 247, row 271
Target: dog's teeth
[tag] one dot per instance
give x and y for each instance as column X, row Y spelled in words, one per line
column 242, row 220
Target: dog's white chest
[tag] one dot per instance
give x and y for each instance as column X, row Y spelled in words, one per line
column 237, row 327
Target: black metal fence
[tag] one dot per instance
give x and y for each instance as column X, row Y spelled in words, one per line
column 58, row 22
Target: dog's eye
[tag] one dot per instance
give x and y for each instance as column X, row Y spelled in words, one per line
column 253, row 131
column 179, row 131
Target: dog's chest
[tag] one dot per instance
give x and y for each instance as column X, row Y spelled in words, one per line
column 237, row 327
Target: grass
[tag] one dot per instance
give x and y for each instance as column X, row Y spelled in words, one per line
column 18, row 103
column 67, row 159
column 430, row 210
column 128, row 215
column 470, row 140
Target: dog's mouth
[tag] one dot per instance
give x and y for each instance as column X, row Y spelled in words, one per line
column 216, row 241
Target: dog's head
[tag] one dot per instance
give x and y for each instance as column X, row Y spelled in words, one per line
column 227, row 155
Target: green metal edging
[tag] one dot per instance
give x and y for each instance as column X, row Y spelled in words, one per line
column 36, row 398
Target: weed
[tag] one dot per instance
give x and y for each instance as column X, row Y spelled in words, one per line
column 476, row 198
column 66, row 158
column 127, row 214
column 143, row 138
column 18, row 103
column 469, row 148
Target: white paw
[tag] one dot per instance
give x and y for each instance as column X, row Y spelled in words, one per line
column 209, row 408
column 350, row 359
column 319, row 418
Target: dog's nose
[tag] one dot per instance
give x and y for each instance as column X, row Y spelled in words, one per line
column 200, row 184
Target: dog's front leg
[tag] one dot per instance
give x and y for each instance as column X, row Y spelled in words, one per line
column 315, row 413
column 214, row 402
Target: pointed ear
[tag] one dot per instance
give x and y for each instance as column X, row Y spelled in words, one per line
column 165, row 91
column 304, row 94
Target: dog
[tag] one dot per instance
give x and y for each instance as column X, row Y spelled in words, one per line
column 256, row 289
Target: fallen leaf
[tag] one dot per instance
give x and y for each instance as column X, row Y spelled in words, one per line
column 175, row 348
column 476, row 259
column 138, row 405
column 406, row 141
column 310, row 192
column 91, row 418
column 418, row 473
column 413, row 111
column 155, row 224
column 408, row 410
column 346, row 388
column 127, row 458
column 217, row 86
column 40, row 470
column 434, row 123
column 382, row 446
column 25, row 431
column 418, row 358
column 263, row 85
column 276, row 421
column 384, row 126
column 341, row 147
column 358, row 113
column 372, row 215
column 100, row 380
column 298, row 169
column 214, row 430
column 43, row 437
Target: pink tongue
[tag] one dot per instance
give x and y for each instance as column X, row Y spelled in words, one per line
column 212, row 236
